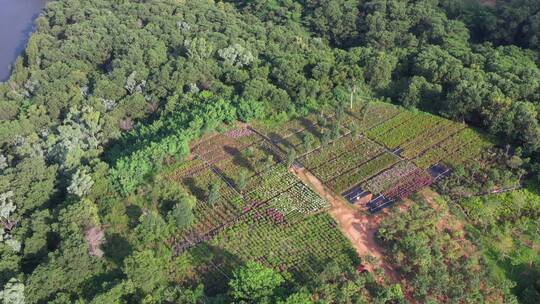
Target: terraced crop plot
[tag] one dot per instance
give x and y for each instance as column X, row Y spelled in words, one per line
column 358, row 154
column 429, row 138
column 297, row 202
column 394, row 123
column 389, row 177
column 302, row 248
column 270, row 190
column 408, row 130
column 421, row 139
column 274, row 218
column 337, row 148
column 362, row 172
column 375, row 114
column 456, row 149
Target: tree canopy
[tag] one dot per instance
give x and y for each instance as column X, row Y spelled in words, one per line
column 107, row 94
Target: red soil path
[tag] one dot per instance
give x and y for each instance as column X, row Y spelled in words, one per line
column 357, row 226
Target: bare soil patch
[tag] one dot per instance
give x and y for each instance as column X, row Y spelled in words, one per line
column 359, row 227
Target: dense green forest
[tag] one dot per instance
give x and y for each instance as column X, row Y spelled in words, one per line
column 108, row 94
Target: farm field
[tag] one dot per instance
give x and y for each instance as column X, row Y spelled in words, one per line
column 268, row 189
column 251, row 206
column 390, row 152
column 287, row 152
column 301, row 249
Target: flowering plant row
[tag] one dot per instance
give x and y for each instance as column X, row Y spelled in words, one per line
column 409, row 185
column 389, row 177
column 298, row 201
column 272, row 183
column 270, row 213
column 241, row 132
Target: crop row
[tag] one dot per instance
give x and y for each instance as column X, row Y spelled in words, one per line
column 240, row 132
column 409, row 185
column 221, row 147
column 212, row 143
column 363, row 172
column 271, row 183
column 296, row 140
column 469, row 151
column 458, row 143
column 199, row 183
column 338, row 147
column 208, row 217
column 270, row 148
column 389, row 177
column 376, row 113
column 305, row 245
column 362, row 152
column 410, row 129
column 250, row 139
column 431, row 137
column 462, row 139
column 288, row 128
column 255, row 159
column 391, row 124
column 345, row 121
column 297, row 202
column 188, row 168
column 221, row 152
column 430, row 157
column 443, row 149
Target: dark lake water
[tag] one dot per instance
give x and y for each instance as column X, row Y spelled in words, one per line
column 16, row 23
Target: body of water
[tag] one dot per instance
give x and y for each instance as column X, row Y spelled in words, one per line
column 16, row 23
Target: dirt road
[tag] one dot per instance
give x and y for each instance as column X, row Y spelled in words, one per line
column 358, row 227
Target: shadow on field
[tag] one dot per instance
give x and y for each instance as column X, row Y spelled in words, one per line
column 216, row 265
